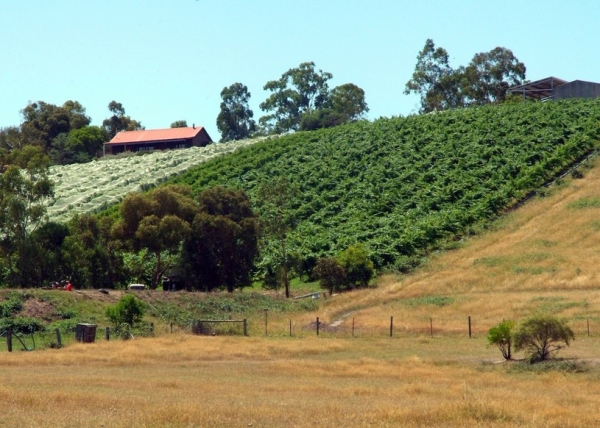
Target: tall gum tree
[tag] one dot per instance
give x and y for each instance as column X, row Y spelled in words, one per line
column 235, row 120
column 157, row 221
column 300, row 90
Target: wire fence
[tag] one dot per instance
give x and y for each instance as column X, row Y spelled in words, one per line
column 349, row 327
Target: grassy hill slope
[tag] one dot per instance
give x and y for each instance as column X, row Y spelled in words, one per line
column 545, row 256
column 403, row 186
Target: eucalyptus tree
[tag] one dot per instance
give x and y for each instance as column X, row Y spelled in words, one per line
column 119, row 121
column 235, row 120
column 484, row 80
column 222, row 246
column 24, row 189
column 434, row 80
column 156, row 222
column 300, row 90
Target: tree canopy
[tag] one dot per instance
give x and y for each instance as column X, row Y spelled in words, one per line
column 24, row 188
column 179, row 124
column 301, row 100
column 43, row 122
column 222, row 247
column 158, row 222
column 119, row 121
column 484, row 80
column 235, row 121
column 298, row 91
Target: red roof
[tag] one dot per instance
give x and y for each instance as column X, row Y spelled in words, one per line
column 143, row 136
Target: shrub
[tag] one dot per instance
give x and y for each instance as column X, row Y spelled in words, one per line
column 357, row 265
column 330, row 273
column 543, row 335
column 501, row 336
column 128, row 310
column 22, row 325
column 10, row 306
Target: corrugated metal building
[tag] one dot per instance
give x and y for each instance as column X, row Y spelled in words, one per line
column 553, row 88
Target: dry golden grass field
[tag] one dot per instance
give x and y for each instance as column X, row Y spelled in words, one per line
column 543, row 257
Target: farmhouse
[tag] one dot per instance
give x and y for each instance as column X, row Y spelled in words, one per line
column 157, row 139
column 553, row 88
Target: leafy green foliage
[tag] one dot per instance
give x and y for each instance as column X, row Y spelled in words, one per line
column 323, row 118
column 11, row 305
column 501, row 336
column 157, row 221
column 404, row 186
column 128, row 310
column 277, row 221
column 22, row 325
column 299, row 90
column 119, row 121
column 23, row 193
column 357, row 266
column 484, row 80
column 222, row 246
column 179, row 124
column 330, row 273
column 235, row 120
column 43, row 122
column 543, row 335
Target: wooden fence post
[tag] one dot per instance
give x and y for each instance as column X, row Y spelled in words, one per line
column 469, row 326
column 317, row 326
column 431, row 327
column 290, row 328
column 588, row 327
column 352, row 327
column 9, row 340
column 245, row 327
column 107, row 333
column 391, row 326
column 59, row 338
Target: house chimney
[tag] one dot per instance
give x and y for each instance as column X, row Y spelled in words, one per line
column 194, row 125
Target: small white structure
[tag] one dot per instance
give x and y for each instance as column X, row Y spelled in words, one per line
column 136, row 287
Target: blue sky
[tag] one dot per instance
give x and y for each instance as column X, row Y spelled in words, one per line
column 169, row 60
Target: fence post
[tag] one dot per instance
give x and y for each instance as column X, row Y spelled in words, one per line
column 171, row 328
column 391, row 326
column 107, row 333
column 588, row 327
column 266, row 320
column 152, row 327
column 431, row 327
column 352, row 327
column 9, row 340
column 59, row 338
column 245, row 327
column 317, row 326
column 290, row 328
column 469, row 326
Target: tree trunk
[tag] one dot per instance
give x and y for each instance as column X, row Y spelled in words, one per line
column 286, row 281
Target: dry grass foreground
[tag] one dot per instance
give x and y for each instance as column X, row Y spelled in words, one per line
column 193, row 381
column 545, row 257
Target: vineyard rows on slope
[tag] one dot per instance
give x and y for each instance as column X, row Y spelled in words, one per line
column 403, row 186
column 94, row 186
